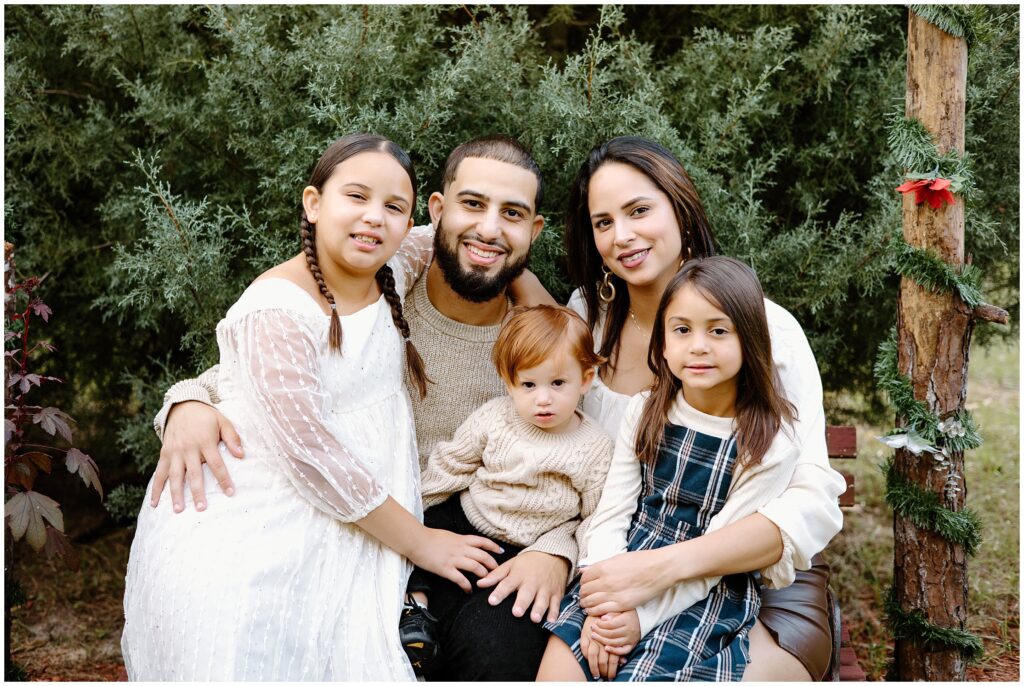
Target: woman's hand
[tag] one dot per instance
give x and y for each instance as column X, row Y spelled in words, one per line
column 626, row 581
column 527, row 290
column 448, row 554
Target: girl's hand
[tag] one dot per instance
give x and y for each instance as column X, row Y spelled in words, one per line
column 602, row 662
column 626, row 581
column 445, row 553
column 618, row 632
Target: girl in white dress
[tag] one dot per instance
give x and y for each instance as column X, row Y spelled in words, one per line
column 301, row 575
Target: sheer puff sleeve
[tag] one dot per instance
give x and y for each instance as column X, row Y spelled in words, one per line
column 279, row 373
column 413, row 257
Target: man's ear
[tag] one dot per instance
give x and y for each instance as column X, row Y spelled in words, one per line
column 538, row 226
column 311, row 203
column 435, row 205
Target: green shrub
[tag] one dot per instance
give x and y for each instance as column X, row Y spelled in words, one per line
column 155, row 154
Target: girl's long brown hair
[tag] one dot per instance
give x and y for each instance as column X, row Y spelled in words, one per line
column 761, row 409
column 667, row 173
column 339, row 151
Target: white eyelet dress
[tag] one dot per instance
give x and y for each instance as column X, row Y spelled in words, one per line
column 276, row 583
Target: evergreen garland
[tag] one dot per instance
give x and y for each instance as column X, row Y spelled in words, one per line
column 956, row 433
column 914, row 625
column 961, row 21
column 913, row 147
column 931, row 272
column 925, row 510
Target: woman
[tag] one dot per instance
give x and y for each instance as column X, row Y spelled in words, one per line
column 634, row 218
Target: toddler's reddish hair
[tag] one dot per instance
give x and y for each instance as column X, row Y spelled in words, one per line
column 531, row 335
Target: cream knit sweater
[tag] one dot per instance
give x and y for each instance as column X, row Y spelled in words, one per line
column 517, row 481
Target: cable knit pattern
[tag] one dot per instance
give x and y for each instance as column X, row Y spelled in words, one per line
column 274, row 584
column 517, row 481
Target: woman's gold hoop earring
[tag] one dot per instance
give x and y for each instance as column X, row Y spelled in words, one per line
column 606, row 291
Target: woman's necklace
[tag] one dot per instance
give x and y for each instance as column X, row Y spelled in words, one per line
column 632, row 315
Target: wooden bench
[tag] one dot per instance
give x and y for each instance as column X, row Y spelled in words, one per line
column 842, row 445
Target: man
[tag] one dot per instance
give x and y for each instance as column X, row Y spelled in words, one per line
column 486, row 220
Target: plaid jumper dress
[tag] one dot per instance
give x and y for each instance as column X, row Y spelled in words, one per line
column 709, row 641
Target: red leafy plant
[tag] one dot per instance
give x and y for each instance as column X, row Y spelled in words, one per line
column 27, row 450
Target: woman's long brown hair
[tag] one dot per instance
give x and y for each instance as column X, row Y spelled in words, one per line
column 761, row 409
column 667, row 173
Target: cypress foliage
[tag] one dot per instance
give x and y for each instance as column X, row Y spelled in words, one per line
column 155, row 154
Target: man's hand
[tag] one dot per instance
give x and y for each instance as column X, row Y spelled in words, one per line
column 538, row 578
column 624, row 582
column 191, row 435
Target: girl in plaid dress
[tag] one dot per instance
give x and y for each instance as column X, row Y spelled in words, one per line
column 708, row 445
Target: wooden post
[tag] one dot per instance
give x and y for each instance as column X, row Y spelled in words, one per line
column 930, row 573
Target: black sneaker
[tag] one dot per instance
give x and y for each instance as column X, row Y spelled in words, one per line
column 417, row 629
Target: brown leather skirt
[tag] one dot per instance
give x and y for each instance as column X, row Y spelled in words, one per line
column 797, row 617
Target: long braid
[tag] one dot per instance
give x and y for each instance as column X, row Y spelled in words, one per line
column 308, row 232
column 417, row 370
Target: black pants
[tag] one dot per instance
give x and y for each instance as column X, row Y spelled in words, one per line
column 479, row 642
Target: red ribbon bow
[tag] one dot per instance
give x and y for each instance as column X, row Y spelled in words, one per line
column 935, row 191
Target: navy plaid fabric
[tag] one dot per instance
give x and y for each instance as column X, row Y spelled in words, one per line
column 687, row 486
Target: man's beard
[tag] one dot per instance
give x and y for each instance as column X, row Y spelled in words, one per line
column 474, row 284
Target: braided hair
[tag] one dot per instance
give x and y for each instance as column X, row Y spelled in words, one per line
column 308, row 232
column 413, row 361
column 339, row 151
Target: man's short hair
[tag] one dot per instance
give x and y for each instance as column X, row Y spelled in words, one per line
column 501, row 149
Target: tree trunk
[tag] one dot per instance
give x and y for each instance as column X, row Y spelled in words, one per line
column 930, row 573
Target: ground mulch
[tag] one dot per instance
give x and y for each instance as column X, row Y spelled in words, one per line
column 69, row 628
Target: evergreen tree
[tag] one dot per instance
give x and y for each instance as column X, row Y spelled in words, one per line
column 155, row 154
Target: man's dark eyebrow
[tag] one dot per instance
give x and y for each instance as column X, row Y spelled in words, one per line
column 481, row 196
